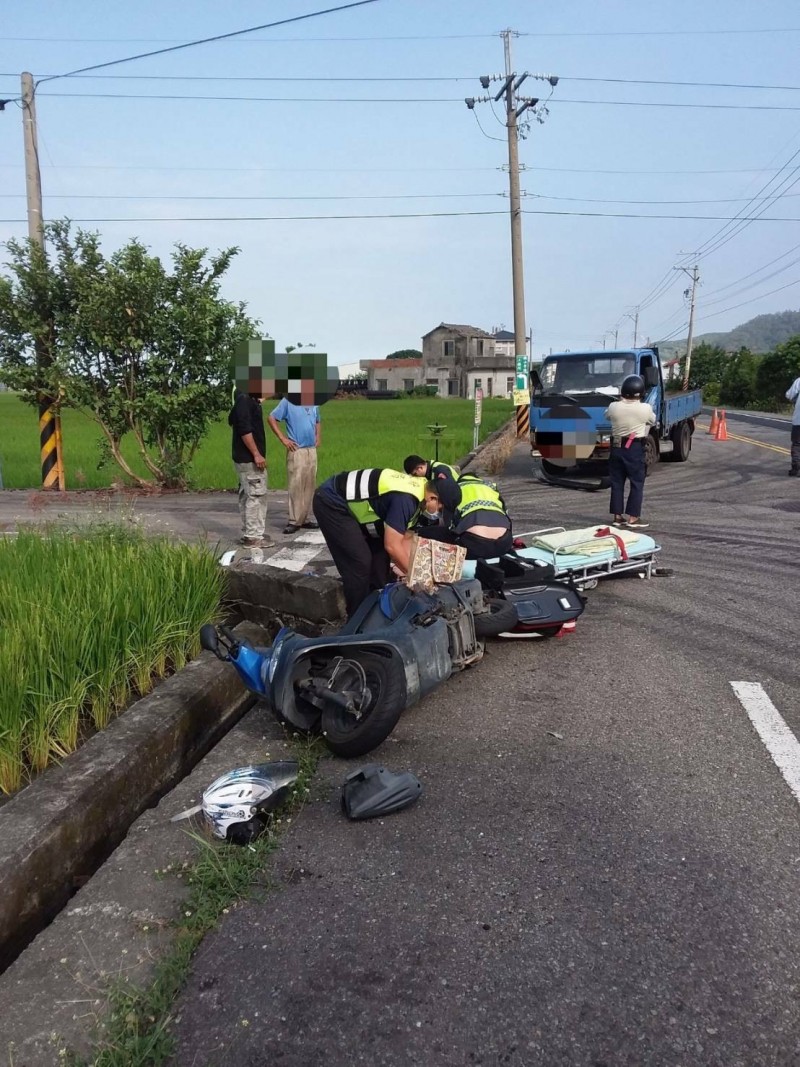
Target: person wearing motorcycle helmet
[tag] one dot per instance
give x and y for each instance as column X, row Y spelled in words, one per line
column 630, row 420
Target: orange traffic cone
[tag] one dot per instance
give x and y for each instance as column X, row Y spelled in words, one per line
column 722, row 428
column 712, row 429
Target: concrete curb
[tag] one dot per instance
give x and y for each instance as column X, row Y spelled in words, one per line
column 493, row 436
column 60, row 828
column 263, row 594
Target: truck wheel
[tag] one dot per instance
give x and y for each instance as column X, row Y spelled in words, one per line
column 650, row 454
column 349, row 736
column 501, row 616
column 681, row 442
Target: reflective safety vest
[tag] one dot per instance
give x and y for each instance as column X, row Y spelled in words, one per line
column 436, row 469
column 477, row 496
column 362, row 488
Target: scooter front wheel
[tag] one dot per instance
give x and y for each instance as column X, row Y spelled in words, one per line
column 350, row 735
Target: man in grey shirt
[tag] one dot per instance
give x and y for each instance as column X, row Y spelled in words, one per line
column 793, row 393
column 630, row 420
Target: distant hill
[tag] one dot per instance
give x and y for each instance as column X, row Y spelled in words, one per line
column 760, row 334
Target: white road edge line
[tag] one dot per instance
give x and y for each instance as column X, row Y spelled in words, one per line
column 778, row 739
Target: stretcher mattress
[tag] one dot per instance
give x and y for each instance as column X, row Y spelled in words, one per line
column 593, row 550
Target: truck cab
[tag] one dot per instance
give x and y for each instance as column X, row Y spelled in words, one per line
column 570, row 392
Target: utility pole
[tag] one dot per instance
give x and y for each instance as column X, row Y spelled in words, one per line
column 49, row 417
column 517, row 277
column 515, row 107
column 635, row 318
column 616, row 335
column 695, row 276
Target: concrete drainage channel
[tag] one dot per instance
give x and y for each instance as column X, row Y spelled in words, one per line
column 80, row 844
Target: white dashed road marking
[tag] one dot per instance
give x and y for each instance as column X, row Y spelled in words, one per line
column 779, row 740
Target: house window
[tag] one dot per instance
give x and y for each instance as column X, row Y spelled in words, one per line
column 431, row 381
column 408, row 384
column 509, row 385
column 448, row 348
column 452, row 387
column 489, row 384
column 479, row 344
column 477, row 384
column 382, row 384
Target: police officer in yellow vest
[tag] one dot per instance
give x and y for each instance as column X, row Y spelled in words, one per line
column 431, row 469
column 366, row 517
column 475, row 517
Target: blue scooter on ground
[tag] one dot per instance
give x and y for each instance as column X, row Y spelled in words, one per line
column 399, row 645
column 352, row 686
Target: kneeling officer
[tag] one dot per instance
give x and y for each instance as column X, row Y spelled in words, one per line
column 366, row 517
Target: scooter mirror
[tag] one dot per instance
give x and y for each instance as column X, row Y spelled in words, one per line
column 209, row 639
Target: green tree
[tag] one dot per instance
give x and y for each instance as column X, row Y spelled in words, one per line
column 138, row 348
column 405, row 353
column 707, row 366
column 777, row 371
column 739, row 380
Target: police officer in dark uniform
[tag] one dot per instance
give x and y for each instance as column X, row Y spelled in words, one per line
column 474, row 516
column 366, row 517
column 431, row 469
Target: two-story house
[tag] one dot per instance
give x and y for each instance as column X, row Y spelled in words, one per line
column 460, row 359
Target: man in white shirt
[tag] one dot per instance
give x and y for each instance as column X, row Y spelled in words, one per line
column 793, row 393
column 630, row 420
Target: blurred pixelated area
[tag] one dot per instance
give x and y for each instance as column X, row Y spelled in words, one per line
column 302, row 377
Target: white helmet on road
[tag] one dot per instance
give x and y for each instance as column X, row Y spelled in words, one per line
column 236, row 804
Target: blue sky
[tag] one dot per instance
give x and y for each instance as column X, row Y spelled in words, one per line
column 360, row 288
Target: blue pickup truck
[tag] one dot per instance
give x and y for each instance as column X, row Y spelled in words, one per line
column 570, row 435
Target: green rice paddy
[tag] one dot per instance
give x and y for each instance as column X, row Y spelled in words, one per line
column 88, row 621
column 355, row 433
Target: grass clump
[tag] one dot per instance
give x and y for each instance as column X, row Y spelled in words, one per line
column 136, row 1031
column 88, row 620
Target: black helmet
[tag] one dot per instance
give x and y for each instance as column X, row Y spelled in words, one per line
column 632, row 386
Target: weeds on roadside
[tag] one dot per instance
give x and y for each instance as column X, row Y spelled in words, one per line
column 136, row 1031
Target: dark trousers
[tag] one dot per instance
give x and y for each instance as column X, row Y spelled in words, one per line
column 361, row 560
column 627, row 463
column 477, row 547
column 795, row 461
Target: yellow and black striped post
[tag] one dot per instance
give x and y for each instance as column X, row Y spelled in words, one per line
column 523, row 420
column 50, row 445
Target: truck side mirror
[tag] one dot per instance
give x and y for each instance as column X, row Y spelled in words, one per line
column 536, row 383
column 651, row 377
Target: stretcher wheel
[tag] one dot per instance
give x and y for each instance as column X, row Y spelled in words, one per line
column 590, row 583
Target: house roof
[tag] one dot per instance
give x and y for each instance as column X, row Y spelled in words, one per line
column 464, row 331
column 387, row 364
column 504, row 335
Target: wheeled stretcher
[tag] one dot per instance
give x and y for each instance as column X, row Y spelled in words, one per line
column 585, row 555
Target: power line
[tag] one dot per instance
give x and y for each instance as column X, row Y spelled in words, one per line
column 385, row 170
column 403, row 100
column 356, row 196
column 215, row 196
column 217, row 37
column 396, row 78
column 421, row 37
column 702, row 85
column 411, row 215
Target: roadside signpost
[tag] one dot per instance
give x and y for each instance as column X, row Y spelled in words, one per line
column 478, row 413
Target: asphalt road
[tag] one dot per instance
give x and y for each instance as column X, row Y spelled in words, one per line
column 605, row 865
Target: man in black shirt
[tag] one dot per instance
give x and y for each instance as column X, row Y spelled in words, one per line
column 249, row 450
